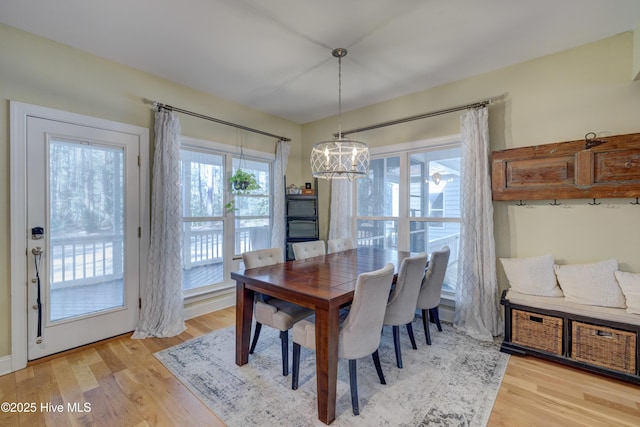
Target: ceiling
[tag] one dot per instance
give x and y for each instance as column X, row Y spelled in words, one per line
column 275, row 55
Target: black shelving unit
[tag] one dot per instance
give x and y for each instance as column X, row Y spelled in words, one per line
column 301, row 219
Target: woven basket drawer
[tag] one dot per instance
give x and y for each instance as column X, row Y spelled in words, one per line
column 536, row 331
column 602, row 346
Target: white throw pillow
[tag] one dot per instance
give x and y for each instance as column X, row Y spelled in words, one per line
column 630, row 284
column 591, row 284
column 532, row 276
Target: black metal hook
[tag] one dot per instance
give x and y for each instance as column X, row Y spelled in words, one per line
column 521, row 203
column 595, row 203
column 555, row 203
column 591, row 141
column 636, row 202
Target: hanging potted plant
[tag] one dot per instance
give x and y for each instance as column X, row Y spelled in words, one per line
column 243, row 181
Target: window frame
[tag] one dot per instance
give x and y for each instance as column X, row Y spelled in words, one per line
column 404, row 218
column 231, row 260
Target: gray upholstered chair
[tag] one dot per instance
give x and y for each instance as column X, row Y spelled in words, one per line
column 401, row 308
column 339, row 245
column 303, row 250
column 359, row 334
column 273, row 312
column 429, row 297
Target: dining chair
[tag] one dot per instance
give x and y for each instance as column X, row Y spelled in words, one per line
column 273, row 312
column 359, row 333
column 339, row 245
column 303, row 250
column 429, row 297
column 401, row 308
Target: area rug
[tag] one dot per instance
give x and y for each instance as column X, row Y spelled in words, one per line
column 452, row 382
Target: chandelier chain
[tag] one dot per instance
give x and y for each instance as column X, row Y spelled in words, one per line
column 340, row 97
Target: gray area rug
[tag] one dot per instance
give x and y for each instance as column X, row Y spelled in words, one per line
column 453, row 382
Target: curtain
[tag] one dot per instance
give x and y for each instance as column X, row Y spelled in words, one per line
column 162, row 303
column 477, row 309
column 280, row 167
column 340, row 217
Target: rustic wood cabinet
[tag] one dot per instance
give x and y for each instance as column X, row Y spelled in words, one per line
column 600, row 167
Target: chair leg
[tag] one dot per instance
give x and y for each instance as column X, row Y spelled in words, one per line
column 256, row 334
column 396, row 344
column 353, row 383
column 376, row 362
column 425, row 324
column 411, row 337
column 436, row 317
column 295, row 366
column 284, row 342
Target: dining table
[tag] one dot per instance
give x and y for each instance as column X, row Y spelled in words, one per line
column 325, row 284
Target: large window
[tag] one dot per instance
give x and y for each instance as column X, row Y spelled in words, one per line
column 411, row 201
column 219, row 225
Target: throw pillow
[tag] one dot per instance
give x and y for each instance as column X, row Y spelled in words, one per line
column 591, row 284
column 630, row 284
column 532, row 276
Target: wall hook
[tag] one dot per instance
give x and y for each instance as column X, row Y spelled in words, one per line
column 521, row 203
column 636, row 202
column 595, row 203
column 555, row 203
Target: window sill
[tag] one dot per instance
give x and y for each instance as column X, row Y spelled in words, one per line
column 208, row 293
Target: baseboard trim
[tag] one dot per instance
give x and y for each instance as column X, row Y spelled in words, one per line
column 220, row 301
column 5, row 365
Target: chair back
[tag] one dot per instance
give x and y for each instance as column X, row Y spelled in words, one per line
column 303, row 250
column 339, row 245
column 404, row 297
column 262, row 257
column 360, row 332
column 433, row 279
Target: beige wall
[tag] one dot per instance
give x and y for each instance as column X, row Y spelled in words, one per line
column 636, row 53
column 556, row 98
column 37, row 71
column 552, row 99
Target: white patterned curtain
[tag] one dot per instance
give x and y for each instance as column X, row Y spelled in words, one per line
column 340, row 217
column 280, row 167
column 162, row 303
column 477, row 310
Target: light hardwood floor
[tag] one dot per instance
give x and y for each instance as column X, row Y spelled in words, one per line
column 126, row 386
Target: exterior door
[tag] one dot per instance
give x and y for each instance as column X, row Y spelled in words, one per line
column 83, row 201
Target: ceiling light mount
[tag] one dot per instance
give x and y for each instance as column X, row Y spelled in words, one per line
column 340, row 157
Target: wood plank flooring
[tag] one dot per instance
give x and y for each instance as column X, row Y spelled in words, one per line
column 126, row 386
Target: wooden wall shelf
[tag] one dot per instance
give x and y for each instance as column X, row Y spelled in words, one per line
column 610, row 168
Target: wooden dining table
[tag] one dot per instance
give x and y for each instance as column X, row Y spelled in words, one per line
column 325, row 284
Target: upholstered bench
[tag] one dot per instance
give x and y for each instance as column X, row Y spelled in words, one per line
column 600, row 339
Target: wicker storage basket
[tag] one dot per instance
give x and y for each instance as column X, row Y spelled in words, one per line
column 606, row 347
column 536, row 331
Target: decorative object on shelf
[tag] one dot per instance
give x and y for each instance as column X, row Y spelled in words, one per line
column 340, row 157
column 292, row 189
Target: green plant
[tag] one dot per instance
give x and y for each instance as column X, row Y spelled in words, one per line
column 243, row 182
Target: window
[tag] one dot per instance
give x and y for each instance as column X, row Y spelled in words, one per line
column 411, row 200
column 215, row 234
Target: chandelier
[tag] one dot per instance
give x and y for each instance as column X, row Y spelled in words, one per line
column 340, row 157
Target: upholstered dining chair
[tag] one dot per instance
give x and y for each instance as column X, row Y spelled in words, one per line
column 273, row 312
column 401, row 308
column 339, row 245
column 429, row 297
column 359, row 334
column 303, row 250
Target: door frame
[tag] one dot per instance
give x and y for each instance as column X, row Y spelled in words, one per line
column 19, row 112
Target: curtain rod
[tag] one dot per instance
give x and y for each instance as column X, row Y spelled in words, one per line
column 477, row 104
column 160, row 105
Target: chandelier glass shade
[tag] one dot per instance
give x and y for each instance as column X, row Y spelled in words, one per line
column 340, row 158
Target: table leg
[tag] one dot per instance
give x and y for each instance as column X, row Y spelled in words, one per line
column 244, row 315
column 327, row 326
